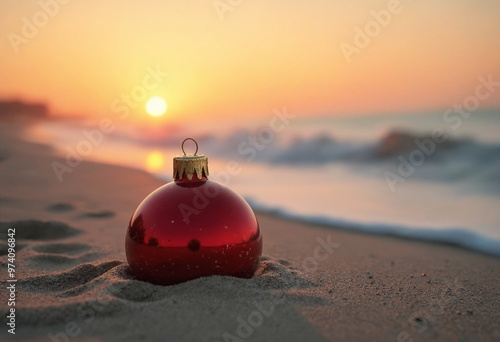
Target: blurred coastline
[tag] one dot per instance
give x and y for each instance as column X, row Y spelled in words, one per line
column 383, row 174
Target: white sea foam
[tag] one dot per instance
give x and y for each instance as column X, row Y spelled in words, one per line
column 453, row 236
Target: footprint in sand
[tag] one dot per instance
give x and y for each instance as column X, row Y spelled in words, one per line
column 52, row 256
column 60, row 207
column 98, row 214
column 54, row 262
column 3, row 156
column 60, row 256
column 38, row 230
column 7, row 200
column 4, row 248
column 68, row 280
column 62, row 248
column 34, row 230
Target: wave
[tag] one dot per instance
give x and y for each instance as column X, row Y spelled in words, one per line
column 451, row 236
column 430, row 158
column 324, row 148
column 438, row 158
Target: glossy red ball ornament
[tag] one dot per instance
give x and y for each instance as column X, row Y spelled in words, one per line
column 192, row 227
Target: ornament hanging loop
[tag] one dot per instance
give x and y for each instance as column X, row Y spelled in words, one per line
column 192, row 165
column 182, row 146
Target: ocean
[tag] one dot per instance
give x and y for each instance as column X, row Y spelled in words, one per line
column 426, row 176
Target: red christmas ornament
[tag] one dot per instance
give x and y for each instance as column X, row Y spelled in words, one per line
column 192, row 227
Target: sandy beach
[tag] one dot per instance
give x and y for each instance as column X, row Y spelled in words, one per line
column 313, row 284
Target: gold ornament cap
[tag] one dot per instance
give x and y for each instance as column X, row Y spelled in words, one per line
column 190, row 164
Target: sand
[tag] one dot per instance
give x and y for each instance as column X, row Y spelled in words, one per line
column 314, row 283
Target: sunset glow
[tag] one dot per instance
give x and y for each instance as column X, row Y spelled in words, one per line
column 249, row 59
column 155, row 161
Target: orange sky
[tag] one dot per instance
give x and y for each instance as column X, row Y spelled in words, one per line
column 263, row 55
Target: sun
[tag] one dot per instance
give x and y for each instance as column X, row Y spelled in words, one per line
column 156, row 106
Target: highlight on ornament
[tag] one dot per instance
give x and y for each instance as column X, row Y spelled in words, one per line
column 192, row 227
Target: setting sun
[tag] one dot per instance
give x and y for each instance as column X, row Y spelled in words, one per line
column 156, row 106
